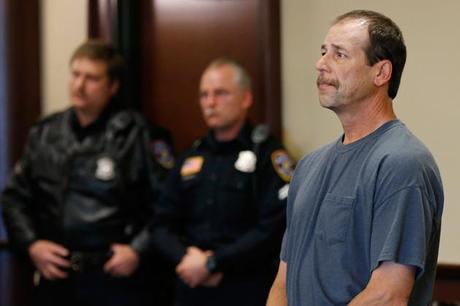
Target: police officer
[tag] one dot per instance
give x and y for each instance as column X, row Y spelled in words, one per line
column 82, row 192
column 221, row 218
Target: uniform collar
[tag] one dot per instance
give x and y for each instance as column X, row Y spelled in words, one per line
column 93, row 128
column 242, row 141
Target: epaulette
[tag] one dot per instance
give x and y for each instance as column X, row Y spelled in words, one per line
column 260, row 133
column 120, row 121
column 49, row 118
column 196, row 144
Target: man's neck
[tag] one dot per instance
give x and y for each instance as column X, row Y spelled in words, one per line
column 86, row 118
column 229, row 133
column 368, row 117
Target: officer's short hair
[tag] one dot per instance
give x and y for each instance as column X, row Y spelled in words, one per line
column 101, row 51
column 242, row 78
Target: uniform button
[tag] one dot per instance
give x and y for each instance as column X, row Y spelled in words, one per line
column 209, row 202
column 213, row 177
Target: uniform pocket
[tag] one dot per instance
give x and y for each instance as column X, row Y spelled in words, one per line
column 237, row 182
column 335, row 217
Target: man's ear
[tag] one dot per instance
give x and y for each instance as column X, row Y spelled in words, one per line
column 384, row 70
column 247, row 99
column 114, row 86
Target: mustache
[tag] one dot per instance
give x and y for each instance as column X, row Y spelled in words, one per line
column 78, row 93
column 209, row 112
column 323, row 80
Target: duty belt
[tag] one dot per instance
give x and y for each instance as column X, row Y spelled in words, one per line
column 88, row 261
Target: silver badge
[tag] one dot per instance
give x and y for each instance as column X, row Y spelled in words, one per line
column 105, row 169
column 283, row 192
column 246, row 162
column 17, row 168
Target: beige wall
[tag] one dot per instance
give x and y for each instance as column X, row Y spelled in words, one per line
column 63, row 28
column 428, row 101
column 429, row 97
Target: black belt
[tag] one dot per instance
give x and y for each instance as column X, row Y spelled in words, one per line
column 88, row 261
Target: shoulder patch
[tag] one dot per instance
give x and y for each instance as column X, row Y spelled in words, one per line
column 192, row 165
column 162, row 153
column 283, row 164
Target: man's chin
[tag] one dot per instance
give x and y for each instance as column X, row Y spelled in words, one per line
column 212, row 123
column 79, row 104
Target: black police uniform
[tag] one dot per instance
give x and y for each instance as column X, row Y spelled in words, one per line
column 87, row 188
column 228, row 197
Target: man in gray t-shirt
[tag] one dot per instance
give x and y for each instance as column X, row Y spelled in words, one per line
column 364, row 212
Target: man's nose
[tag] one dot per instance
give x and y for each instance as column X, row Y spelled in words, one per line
column 210, row 100
column 78, row 82
column 321, row 63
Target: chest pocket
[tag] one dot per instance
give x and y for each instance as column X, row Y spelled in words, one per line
column 237, row 182
column 335, row 218
column 47, row 166
column 190, row 182
column 236, row 193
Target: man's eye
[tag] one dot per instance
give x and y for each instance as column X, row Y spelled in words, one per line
column 221, row 93
column 94, row 78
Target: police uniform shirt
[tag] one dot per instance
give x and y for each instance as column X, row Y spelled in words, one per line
column 224, row 197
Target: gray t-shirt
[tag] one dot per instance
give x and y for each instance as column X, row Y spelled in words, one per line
column 353, row 206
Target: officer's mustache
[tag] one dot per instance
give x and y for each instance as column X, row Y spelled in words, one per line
column 79, row 93
column 322, row 80
column 209, row 112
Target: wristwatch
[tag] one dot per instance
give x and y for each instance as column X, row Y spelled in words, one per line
column 211, row 264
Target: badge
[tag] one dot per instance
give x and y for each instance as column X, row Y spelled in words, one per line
column 105, row 169
column 162, row 153
column 17, row 168
column 282, row 164
column 246, row 162
column 192, row 165
column 283, row 192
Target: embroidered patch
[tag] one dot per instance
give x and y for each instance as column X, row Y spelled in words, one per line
column 162, row 153
column 192, row 165
column 246, row 162
column 282, row 164
column 105, row 169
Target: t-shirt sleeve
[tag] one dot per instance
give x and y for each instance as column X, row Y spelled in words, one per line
column 283, row 254
column 402, row 229
column 293, row 189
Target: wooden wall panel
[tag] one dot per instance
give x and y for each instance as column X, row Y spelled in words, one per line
column 180, row 37
column 22, row 71
column 103, row 19
column 22, row 91
column 169, row 42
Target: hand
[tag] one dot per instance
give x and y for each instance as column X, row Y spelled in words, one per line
column 123, row 262
column 192, row 268
column 213, row 280
column 48, row 258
